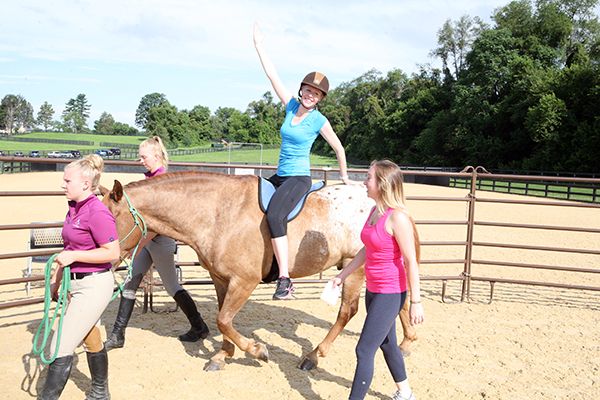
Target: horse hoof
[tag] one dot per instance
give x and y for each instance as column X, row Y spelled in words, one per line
column 213, row 365
column 263, row 354
column 306, row 364
column 405, row 352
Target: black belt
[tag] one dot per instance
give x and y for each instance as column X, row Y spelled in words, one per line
column 81, row 275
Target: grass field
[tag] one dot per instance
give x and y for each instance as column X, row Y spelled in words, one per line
column 555, row 191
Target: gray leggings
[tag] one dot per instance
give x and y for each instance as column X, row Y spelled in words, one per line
column 89, row 297
column 159, row 251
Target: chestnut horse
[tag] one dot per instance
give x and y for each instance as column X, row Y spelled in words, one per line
column 219, row 217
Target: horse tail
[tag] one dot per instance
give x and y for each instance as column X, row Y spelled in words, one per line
column 417, row 240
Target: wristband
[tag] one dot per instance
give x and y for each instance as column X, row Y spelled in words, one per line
column 344, row 177
column 415, row 302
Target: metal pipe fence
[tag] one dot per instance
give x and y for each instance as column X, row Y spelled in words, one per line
column 465, row 275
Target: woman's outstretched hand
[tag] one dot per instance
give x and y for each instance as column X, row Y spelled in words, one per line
column 350, row 182
column 258, row 37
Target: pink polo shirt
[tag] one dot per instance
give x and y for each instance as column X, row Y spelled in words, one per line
column 159, row 171
column 384, row 267
column 88, row 225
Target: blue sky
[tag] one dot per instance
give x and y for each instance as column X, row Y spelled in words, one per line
column 201, row 52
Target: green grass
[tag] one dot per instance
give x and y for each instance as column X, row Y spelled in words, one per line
column 85, row 137
column 26, row 147
column 533, row 189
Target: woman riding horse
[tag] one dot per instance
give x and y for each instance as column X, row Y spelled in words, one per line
column 303, row 123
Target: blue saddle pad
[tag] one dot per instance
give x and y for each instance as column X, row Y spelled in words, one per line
column 266, row 191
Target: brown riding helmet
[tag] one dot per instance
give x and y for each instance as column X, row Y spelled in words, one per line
column 316, row 80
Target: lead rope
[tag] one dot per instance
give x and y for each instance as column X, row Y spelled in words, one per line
column 61, row 301
column 139, row 223
column 66, row 287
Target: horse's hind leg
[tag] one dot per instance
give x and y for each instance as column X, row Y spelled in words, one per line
column 348, row 309
column 410, row 334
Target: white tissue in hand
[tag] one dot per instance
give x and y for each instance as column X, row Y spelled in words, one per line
column 331, row 294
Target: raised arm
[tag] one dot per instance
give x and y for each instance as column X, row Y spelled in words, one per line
column 283, row 94
column 334, row 141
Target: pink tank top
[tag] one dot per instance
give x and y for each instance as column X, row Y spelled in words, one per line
column 384, row 267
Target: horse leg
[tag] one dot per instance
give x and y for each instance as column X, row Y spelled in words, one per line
column 410, row 334
column 235, row 296
column 348, row 309
column 217, row 362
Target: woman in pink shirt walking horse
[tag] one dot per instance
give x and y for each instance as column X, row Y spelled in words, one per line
column 91, row 244
column 391, row 265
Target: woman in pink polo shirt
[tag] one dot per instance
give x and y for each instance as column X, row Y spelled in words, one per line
column 390, row 259
column 157, row 250
column 91, row 244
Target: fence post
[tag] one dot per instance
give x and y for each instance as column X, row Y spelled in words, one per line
column 466, row 288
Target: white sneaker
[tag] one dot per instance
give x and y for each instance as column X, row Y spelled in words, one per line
column 398, row 396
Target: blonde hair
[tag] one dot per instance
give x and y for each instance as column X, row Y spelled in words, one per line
column 390, row 185
column 91, row 169
column 155, row 144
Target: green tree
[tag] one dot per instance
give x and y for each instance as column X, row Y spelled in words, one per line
column 142, row 118
column 454, row 40
column 240, row 125
column 122, row 129
column 105, row 125
column 16, row 111
column 200, row 124
column 76, row 113
column 267, row 117
column 220, row 122
column 163, row 121
column 45, row 115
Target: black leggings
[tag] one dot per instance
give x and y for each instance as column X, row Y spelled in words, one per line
column 379, row 331
column 289, row 191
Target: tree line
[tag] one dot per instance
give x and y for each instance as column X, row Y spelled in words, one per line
column 520, row 93
column 523, row 93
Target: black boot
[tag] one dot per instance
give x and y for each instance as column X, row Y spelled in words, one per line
column 117, row 337
column 199, row 329
column 98, row 363
column 58, row 374
column 116, row 340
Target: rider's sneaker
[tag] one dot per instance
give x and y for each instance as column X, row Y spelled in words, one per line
column 285, row 288
column 398, row 396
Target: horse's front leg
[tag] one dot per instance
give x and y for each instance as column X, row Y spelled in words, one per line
column 348, row 309
column 235, row 296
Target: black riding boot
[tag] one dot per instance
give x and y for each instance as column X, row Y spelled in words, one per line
column 58, row 374
column 98, row 363
column 199, row 329
column 117, row 337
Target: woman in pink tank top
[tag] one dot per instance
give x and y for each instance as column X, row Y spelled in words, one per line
column 391, row 265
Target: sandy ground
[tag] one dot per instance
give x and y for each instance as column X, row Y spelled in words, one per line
column 529, row 343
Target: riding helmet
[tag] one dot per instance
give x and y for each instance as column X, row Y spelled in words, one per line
column 316, row 80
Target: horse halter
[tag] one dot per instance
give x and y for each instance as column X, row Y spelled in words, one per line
column 139, row 222
column 137, row 217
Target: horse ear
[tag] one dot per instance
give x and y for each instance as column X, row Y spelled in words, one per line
column 117, row 191
column 102, row 190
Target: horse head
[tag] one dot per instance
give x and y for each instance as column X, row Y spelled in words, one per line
column 117, row 203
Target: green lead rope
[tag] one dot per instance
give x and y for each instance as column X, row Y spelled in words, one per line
column 141, row 224
column 46, row 324
column 66, row 287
